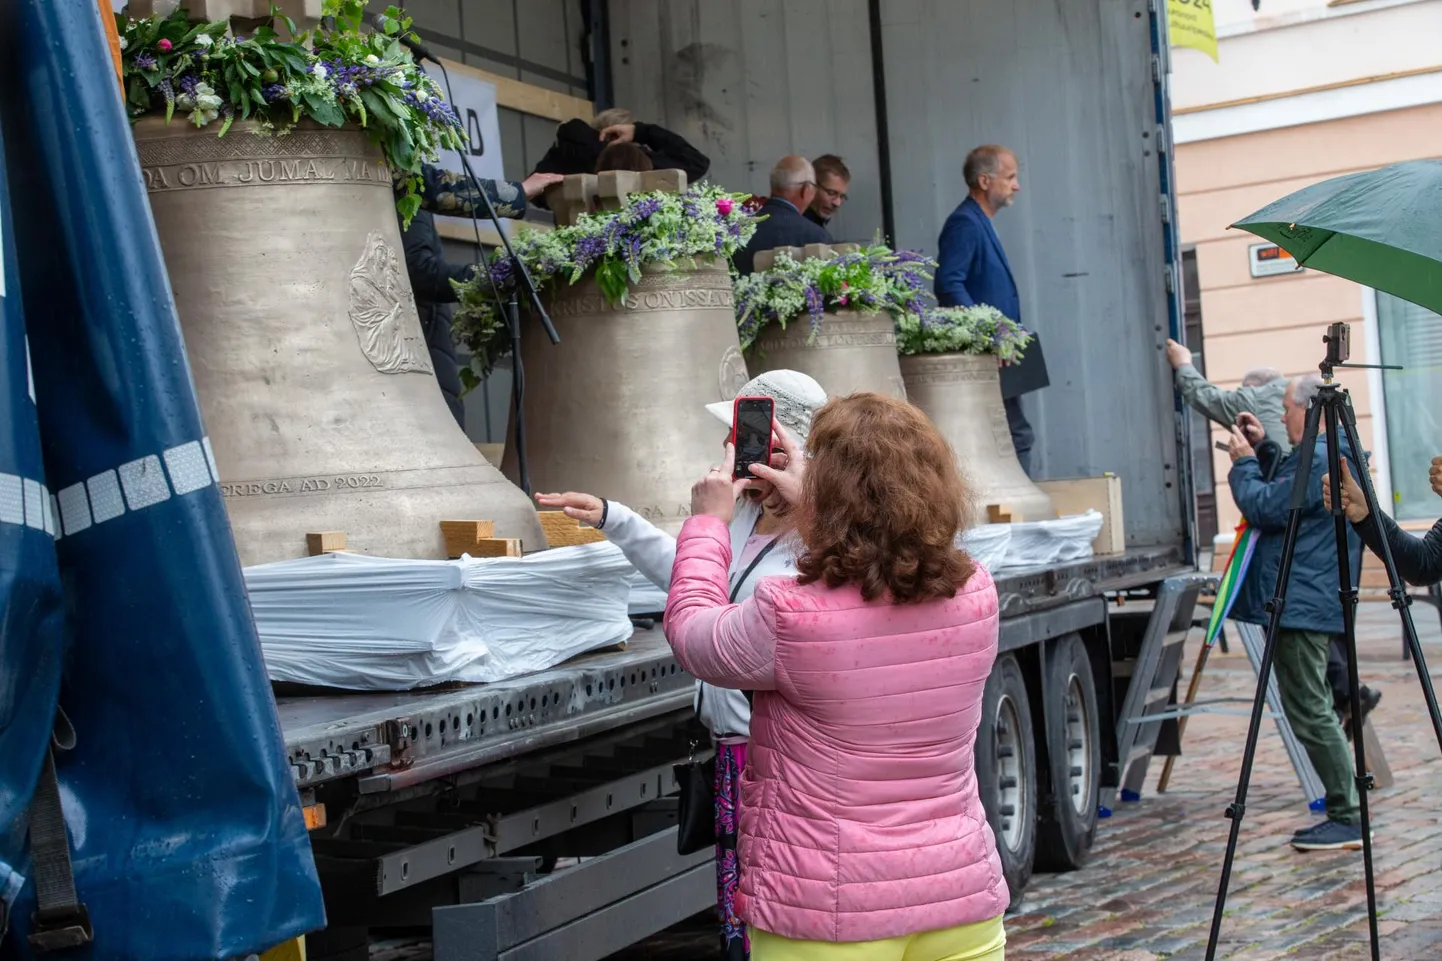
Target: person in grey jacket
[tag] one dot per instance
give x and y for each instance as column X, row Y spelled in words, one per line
column 1260, row 395
column 763, row 544
column 1419, row 559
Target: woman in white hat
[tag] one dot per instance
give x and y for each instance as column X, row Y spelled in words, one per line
column 762, row 545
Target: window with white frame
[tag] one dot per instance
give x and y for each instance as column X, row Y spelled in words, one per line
column 1411, row 337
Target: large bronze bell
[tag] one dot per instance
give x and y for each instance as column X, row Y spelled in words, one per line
column 961, row 393
column 618, row 408
column 314, row 379
column 850, row 351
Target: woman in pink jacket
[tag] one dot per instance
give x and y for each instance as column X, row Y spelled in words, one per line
column 862, row 833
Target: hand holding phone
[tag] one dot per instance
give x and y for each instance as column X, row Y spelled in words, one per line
column 753, row 421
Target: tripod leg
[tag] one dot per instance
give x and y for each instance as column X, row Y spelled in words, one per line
column 1396, row 589
column 1278, row 603
column 1332, row 399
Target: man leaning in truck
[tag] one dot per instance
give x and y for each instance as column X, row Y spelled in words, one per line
column 1312, row 617
column 1261, row 395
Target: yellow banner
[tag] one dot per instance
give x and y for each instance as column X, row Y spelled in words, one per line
column 1191, row 24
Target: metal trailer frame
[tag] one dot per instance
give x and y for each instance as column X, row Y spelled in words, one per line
column 445, row 805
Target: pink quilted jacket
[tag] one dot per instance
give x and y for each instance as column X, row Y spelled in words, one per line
column 860, row 817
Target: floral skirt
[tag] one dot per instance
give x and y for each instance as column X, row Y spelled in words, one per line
column 730, row 761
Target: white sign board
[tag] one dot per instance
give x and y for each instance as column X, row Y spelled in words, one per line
column 1269, row 260
column 475, row 102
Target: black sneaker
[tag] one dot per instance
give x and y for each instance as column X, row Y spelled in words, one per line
column 1329, row 836
column 1370, row 699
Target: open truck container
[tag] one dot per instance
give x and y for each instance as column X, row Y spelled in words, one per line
column 451, row 808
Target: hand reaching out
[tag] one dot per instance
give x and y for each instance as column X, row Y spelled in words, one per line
column 1354, row 505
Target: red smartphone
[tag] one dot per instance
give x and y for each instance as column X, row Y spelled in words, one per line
column 753, row 421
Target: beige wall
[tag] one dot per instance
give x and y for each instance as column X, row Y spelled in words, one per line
column 1279, row 321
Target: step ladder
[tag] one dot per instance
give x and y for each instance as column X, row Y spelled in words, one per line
column 1157, row 667
column 1253, row 640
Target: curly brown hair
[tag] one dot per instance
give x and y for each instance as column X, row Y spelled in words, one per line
column 882, row 503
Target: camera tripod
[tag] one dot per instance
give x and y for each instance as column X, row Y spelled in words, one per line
column 1336, row 405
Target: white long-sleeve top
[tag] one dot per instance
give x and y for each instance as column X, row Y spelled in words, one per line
column 726, row 713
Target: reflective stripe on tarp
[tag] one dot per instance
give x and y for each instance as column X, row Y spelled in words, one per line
column 188, row 836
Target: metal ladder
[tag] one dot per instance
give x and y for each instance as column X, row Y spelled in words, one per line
column 1253, row 639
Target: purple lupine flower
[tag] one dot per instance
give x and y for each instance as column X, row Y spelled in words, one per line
column 188, row 83
column 143, row 60
column 275, row 93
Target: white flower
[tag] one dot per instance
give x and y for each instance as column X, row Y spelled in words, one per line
column 319, row 71
column 422, row 96
column 124, row 44
column 207, row 105
column 205, row 39
column 373, row 60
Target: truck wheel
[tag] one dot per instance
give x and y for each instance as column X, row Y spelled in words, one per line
column 1069, row 824
column 1006, row 771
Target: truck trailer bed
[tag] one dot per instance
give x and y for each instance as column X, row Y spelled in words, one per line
column 394, row 741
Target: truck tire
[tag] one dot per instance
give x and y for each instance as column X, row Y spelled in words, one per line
column 1006, row 771
column 1069, row 822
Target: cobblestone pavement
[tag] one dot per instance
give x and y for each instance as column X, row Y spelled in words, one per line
column 1148, row 892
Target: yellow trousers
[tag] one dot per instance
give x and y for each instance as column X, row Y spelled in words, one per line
column 983, row 941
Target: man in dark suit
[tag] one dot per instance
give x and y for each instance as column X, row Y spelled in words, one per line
column 973, row 270
column 793, row 188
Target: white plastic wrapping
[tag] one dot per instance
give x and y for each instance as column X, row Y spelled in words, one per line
column 384, row 624
column 986, row 544
column 1039, row 543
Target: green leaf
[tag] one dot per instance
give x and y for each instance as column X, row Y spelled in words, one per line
column 407, row 206
column 225, row 126
column 250, row 68
column 612, row 277
column 377, row 105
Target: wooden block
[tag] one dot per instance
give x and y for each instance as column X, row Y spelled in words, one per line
column 614, row 186
column 998, row 514
column 840, row 249
column 324, row 542
column 496, row 547
column 572, row 197
column 817, row 252
column 669, row 181
column 1101, row 494
column 492, row 452
column 461, row 537
column 564, row 531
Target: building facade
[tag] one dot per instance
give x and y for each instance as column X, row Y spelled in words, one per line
column 1307, row 90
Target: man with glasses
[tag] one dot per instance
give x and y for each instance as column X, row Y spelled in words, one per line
column 793, row 188
column 832, row 181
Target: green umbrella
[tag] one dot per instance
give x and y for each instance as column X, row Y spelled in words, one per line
column 1382, row 228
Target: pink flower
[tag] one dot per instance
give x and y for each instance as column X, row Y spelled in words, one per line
column 841, row 301
column 164, row 45
column 724, row 206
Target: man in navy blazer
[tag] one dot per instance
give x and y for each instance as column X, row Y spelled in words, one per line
column 793, row 188
column 973, row 269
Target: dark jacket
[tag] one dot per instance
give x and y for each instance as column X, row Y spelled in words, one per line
column 784, row 226
column 578, row 144
column 456, row 195
column 431, row 278
column 972, row 269
column 810, row 214
column 1419, row 559
column 1312, row 602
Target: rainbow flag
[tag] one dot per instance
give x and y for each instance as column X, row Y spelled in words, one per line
column 1242, row 549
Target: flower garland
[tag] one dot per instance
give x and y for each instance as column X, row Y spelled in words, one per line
column 979, row 329
column 650, row 228
column 336, row 75
column 872, row 279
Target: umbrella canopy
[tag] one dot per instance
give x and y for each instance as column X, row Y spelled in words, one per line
column 1381, row 228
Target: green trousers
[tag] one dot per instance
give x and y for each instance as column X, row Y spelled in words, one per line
column 1301, row 667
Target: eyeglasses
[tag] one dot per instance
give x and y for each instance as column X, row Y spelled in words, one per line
column 835, row 196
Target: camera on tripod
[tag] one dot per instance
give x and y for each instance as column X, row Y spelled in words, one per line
column 1338, row 339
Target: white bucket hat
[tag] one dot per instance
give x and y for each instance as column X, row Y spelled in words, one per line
column 797, row 397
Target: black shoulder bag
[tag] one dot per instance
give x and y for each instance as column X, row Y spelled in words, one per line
column 696, row 809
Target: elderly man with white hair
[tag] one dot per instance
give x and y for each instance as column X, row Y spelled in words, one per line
column 1260, row 395
column 793, row 188
column 1311, row 620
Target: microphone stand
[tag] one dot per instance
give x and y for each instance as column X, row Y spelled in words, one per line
column 510, row 306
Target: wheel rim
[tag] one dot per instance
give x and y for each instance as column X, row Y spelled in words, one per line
column 1078, row 748
column 1011, row 798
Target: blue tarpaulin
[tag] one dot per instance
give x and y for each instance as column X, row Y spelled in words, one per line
column 30, row 606
column 186, row 828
